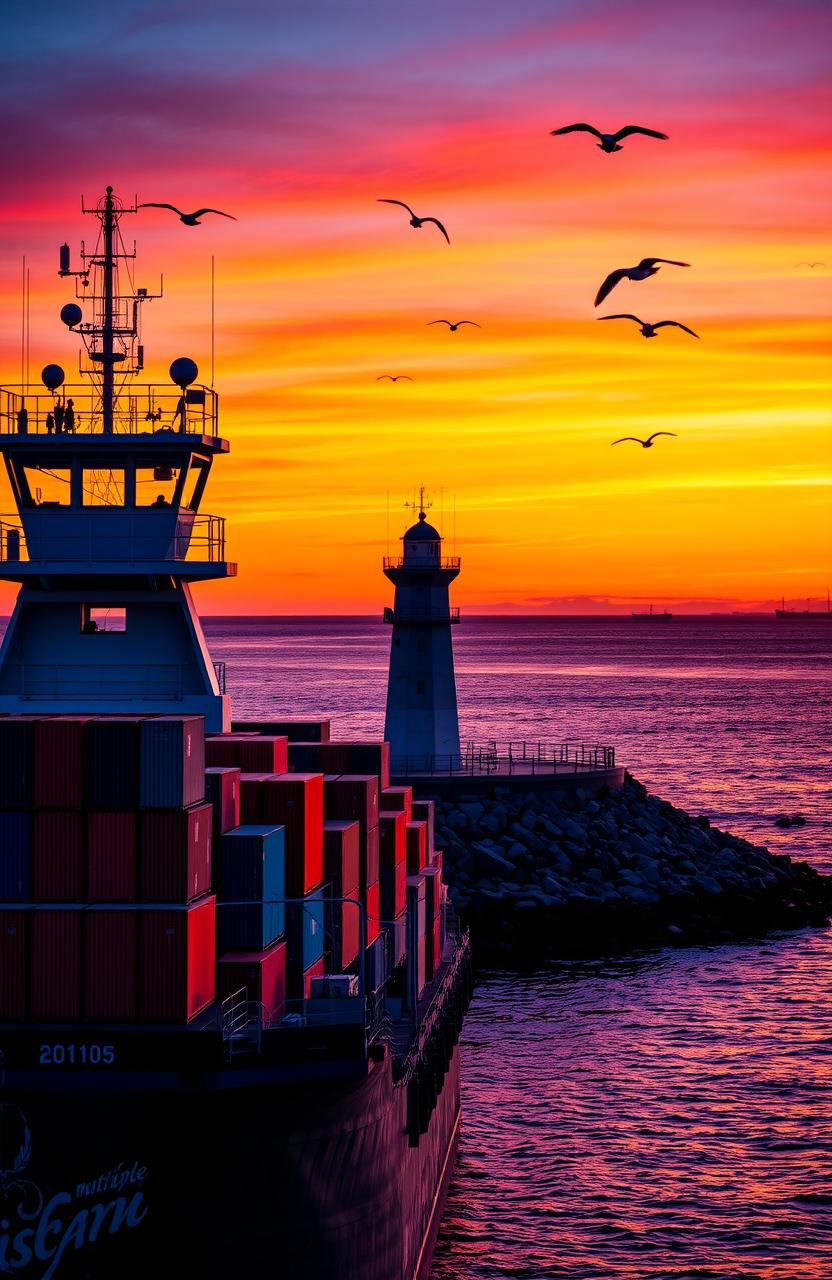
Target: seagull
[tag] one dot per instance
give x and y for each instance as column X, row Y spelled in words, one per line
column 648, row 443
column 647, row 267
column 397, row 377
column 609, row 141
column 453, row 327
column 811, row 265
column 649, row 330
column 189, row 219
column 414, row 221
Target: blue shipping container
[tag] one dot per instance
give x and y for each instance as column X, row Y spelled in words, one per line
column 252, row 869
column 172, row 774
column 375, row 963
column 305, row 929
column 14, row 857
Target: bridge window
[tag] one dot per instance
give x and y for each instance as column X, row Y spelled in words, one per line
column 155, row 485
column 47, row 486
column 98, row 618
column 102, row 487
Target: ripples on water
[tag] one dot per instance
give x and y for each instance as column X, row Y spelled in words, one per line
column 666, row 1116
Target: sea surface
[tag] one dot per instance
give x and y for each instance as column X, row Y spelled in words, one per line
column 665, row 1115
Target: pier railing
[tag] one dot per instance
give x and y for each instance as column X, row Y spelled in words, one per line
column 509, row 759
column 149, row 408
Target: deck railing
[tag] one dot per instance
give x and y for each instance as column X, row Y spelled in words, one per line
column 87, row 541
column 509, row 759
column 148, row 408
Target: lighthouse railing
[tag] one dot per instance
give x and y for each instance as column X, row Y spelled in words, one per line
column 399, row 562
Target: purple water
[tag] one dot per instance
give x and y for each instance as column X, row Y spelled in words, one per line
column 664, row 1115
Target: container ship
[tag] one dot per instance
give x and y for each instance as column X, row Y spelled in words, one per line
column 231, row 981
column 814, row 615
column 650, row 616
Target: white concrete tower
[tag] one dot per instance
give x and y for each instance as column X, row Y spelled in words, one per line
column 422, row 725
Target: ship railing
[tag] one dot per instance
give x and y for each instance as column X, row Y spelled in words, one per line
column 410, row 562
column 407, row 1062
column 84, row 540
column 426, row 617
column 140, row 409
column 508, row 759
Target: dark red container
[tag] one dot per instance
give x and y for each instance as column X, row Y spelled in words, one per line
column 432, row 877
column 17, row 762
column 251, row 797
column 296, row 801
column 59, row 762
column 438, row 859
column 373, row 912
column 109, row 965
column 111, row 857
column 113, row 762
column 222, row 790
column 175, row 854
column 262, row 973
column 222, row 750
column 354, row 796
column 266, row 754
column 14, row 949
column 56, row 966
column 433, row 950
column 393, row 881
column 417, row 844
column 425, row 811
column 58, row 856
column 294, row 730
column 341, row 857
column 344, row 929
column 397, row 798
column 323, row 757
column 392, row 833
column 177, row 961
column 371, row 757
column 316, row 970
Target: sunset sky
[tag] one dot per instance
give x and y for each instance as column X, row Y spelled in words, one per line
column 297, row 117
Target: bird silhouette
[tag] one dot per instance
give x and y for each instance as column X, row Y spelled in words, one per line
column 394, row 377
column 646, row 268
column 649, row 330
column 648, row 443
column 609, row 141
column 189, row 219
column 453, row 327
column 811, row 265
column 414, row 220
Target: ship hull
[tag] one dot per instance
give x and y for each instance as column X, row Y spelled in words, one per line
column 257, row 1182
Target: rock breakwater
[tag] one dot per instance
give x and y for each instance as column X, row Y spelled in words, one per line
column 548, row 873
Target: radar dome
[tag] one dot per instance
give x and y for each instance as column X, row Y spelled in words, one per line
column 52, row 376
column 183, row 371
column 71, row 314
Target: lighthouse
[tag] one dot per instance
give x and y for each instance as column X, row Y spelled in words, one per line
column 422, row 724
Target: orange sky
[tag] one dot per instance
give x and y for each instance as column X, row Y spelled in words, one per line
column 320, row 289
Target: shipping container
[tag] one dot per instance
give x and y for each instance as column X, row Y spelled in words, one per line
column 14, row 967
column 319, row 757
column 111, row 857
column 177, row 961
column 172, row 772
column 438, row 859
column 355, row 796
column 266, row 754
column 58, row 856
column 344, row 932
column 398, row 939
column 17, row 761
column 110, row 965
column 251, row 796
column 373, row 901
column 425, row 811
column 316, row 970
column 175, row 854
column 14, row 857
column 296, row 802
column 392, row 833
column 262, row 974
column 417, row 843
column 416, row 930
column 376, row 970
column 433, row 957
column 397, row 799
column 432, row 877
column 393, row 889
column 370, row 757
column 55, row 962
column 60, row 744
column 341, row 857
column 369, row 863
column 252, row 871
column 222, row 791
column 306, row 930
column 294, row 730
column 113, row 763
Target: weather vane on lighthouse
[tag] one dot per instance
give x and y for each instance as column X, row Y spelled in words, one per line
column 423, row 506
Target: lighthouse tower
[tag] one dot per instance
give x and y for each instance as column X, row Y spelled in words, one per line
column 422, row 725
column 108, row 479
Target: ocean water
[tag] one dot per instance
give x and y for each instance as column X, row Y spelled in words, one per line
column 665, row 1115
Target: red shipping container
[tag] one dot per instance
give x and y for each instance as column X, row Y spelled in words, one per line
column 14, row 996
column 433, row 956
column 438, row 859
column 251, row 797
column 425, row 811
column 432, row 877
column 296, row 801
column 109, row 965
column 222, row 790
column 393, row 881
column 58, row 856
column 392, row 832
column 323, row 757
column 175, row 854
column 341, row 857
column 56, row 966
column 222, row 750
column 398, row 798
column 262, row 973
column 177, row 961
column 417, row 843
column 59, row 762
column 370, row 757
column 345, row 931
column 355, row 795
column 373, row 912
column 111, row 857
column 264, row 755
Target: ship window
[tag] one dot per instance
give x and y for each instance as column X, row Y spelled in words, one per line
column 47, row 486
column 194, row 484
column 102, row 487
column 155, row 486
column 98, row 618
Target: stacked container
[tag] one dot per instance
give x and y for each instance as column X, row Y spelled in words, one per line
column 341, row 873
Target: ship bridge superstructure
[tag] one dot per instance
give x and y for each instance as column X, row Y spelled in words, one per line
column 108, row 479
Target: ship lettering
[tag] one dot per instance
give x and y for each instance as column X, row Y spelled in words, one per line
column 53, row 1236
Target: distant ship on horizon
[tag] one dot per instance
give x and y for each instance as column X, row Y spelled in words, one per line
column 650, row 616
column 821, row 615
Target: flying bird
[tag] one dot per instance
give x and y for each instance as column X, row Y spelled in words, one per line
column 189, row 219
column 453, row 327
column 811, row 264
column 645, row 444
column 394, row 377
column 646, row 268
column 414, row 221
column 609, row 141
column 649, row 330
